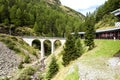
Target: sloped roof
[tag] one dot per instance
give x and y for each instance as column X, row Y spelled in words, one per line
column 100, row 31
column 116, row 12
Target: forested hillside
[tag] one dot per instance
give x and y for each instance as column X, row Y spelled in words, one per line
column 38, row 17
column 103, row 15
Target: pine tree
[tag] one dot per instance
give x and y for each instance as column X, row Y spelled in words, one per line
column 53, row 68
column 12, row 13
column 69, row 50
column 18, row 21
column 78, row 48
column 90, row 31
column 36, row 28
column 76, row 35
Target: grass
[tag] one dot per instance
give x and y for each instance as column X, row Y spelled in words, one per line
column 74, row 75
column 17, row 44
column 104, row 50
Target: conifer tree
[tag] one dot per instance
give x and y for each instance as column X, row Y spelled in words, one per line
column 76, row 35
column 90, row 31
column 18, row 21
column 69, row 50
column 78, row 48
column 36, row 28
column 53, row 68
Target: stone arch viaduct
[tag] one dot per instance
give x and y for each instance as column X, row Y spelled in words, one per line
column 29, row 40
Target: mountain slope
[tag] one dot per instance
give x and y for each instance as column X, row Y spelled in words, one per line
column 13, row 52
column 39, row 17
column 66, row 9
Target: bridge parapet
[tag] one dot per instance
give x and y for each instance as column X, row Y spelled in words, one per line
column 39, row 37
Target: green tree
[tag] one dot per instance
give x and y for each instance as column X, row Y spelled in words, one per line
column 13, row 10
column 53, row 68
column 76, row 35
column 18, row 21
column 78, row 48
column 68, row 50
column 36, row 28
column 90, row 31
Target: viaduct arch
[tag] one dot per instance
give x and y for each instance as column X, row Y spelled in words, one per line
column 29, row 40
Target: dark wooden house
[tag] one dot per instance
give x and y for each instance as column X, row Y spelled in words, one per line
column 113, row 33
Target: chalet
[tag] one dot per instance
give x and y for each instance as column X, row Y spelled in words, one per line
column 113, row 33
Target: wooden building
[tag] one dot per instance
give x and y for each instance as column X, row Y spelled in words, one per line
column 113, row 33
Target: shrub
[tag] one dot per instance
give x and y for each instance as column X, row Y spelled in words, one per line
column 27, row 59
column 35, row 54
column 40, row 76
column 14, row 38
column 6, row 78
column 29, row 71
column 20, row 66
column 25, row 75
column 17, row 50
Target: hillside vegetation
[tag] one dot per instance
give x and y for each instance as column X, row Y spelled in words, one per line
column 104, row 17
column 14, row 52
column 96, row 60
column 18, row 45
column 38, row 17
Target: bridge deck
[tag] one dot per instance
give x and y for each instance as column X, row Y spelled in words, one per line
column 39, row 37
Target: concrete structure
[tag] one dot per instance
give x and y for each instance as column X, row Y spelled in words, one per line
column 116, row 12
column 29, row 40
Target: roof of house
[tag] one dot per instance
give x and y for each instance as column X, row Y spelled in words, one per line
column 116, row 12
column 100, row 31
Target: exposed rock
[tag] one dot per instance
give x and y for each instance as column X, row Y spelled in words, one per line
column 109, row 71
column 114, row 61
column 9, row 61
column 54, row 2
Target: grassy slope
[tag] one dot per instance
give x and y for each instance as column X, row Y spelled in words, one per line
column 104, row 49
column 73, row 75
column 108, row 21
column 67, row 10
column 19, row 46
column 72, row 12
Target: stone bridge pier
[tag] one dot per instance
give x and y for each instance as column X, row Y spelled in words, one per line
column 29, row 40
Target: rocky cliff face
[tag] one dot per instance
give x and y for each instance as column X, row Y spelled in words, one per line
column 9, row 61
